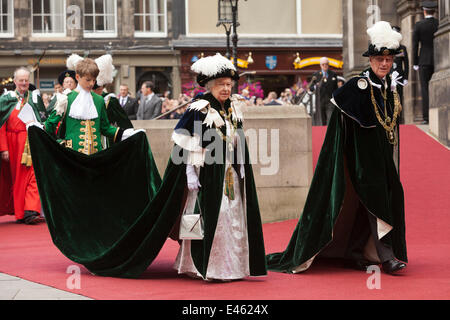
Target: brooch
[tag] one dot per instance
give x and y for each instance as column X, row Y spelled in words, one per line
column 362, row 84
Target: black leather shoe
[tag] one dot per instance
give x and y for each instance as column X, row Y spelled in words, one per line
column 361, row 264
column 393, row 266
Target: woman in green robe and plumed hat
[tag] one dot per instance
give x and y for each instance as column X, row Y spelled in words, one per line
column 220, row 180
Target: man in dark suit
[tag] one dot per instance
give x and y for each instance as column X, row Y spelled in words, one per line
column 150, row 104
column 324, row 83
column 424, row 61
column 129, row 104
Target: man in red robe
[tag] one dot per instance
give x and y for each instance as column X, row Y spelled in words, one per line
column 18, row 189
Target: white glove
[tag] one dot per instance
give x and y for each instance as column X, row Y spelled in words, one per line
column 416, row 67
column 61, row 103
column 192, row 178
column 242, row 169
column 36, row 124
column 34, row 95
column 129, row 132
column 405, row 82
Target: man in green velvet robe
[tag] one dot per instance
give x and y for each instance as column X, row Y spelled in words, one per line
column 355, row 205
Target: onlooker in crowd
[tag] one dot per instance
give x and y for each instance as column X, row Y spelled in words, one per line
column 150, row 103
column 130, row 105
column 324, row 84
column 46, row 99
column 272, row 99
column 58, row 88
column 259, row 102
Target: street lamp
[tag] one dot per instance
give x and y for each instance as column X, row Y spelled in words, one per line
column 228, row 18
column 225, row 18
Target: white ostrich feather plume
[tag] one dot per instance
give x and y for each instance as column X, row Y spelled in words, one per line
column 212, row 65
column 381, row 35
column 72, row 61
column 106, row 67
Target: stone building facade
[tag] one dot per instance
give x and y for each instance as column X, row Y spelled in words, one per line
column 156, row 39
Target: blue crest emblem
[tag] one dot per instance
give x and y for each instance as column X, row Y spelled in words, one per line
column 271, row 62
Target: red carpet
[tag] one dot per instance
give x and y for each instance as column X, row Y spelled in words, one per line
column 27, row 251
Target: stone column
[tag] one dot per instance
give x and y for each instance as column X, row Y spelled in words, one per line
column 355, row 40
column 439, row 114
column 357, row 17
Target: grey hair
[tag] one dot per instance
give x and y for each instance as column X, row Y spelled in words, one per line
column 21, row 69
column 324, row 60
column 210, row 84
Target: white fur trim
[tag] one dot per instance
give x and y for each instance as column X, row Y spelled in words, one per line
column 108, row 97
column 237, row 102
column 190, row 143
column 199, row 105
column 213, row 117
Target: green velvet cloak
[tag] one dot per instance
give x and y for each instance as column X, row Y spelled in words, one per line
column 350, row 154
column 210, row 197
column 111, row 213
column 99, row 208
column 116, row 115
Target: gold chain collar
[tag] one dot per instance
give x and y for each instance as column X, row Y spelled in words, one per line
column 388, row 123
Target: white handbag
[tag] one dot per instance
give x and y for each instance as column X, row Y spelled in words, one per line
column 191, row 226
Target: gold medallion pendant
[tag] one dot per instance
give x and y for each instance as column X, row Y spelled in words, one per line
column 391, row 136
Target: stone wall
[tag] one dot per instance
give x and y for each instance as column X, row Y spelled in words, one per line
column 282, row 173
column 439, row 86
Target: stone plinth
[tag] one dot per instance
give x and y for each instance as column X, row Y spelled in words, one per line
column 279, row 140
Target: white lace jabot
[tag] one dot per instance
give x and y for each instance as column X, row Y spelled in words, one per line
column 83, row 107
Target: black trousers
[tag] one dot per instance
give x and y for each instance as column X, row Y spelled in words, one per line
column 425, row 73
column 365, row 226
column 326, row 109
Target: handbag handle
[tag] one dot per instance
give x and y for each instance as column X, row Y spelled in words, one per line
column 200, row 215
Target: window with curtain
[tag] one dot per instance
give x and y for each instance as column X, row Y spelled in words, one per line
column 6, row 18
column 150, row 17
column 100, row 18
column 48, row 17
